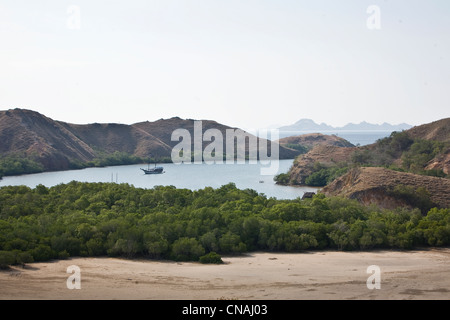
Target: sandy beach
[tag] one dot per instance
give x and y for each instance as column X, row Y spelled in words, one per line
column 266, row 276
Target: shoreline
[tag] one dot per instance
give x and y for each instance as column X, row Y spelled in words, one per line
column 318, row 275
column 112, row 166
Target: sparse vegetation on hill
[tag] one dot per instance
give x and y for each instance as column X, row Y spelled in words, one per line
column 401, row 152
column 55, row 145
column 395, row 169
column 319, row 165
column 390, row 189
column 299, row 147
column 306, row 142
column 398, row 152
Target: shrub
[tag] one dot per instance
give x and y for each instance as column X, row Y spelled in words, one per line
column 24, row 257
column 187, row 249
column 303, row 149
column 325, row 176
column 42, row 253
column 317, row 179
column 282, row 178
column 63, row 255
column 16, row 164
column 418, row 198
column 211, row 257
column 6, row 259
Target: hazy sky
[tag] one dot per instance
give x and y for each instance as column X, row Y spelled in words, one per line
column 245, row 63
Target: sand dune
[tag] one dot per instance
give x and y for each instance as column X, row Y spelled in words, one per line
column 267, row 276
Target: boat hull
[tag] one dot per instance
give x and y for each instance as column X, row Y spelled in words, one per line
column 157, row 170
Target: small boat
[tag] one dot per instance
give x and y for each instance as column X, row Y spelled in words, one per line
column 155, row 170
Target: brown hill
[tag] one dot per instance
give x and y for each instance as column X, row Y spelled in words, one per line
column 57, row 144
column 28, row 132
column 311, row 140
column 441, row 161
column 326, row 155
column 382, row 153
column 111, row 137
column 390, row 189
column 163, row 130
column 436, row 131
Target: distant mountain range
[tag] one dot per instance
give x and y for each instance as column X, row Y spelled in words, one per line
column 308, row 125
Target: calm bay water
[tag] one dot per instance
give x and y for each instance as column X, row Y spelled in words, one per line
column 190, row 176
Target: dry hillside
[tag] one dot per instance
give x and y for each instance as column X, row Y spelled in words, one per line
column 375, row 185
column 311, row 140
column 437, row 130
column 329, row 155
column 28, row 132
column 56, row 144
column 324, row 154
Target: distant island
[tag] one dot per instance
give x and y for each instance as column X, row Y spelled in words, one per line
column 308, row 125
